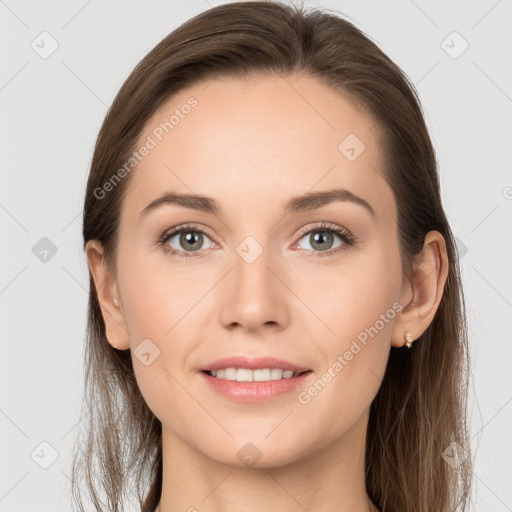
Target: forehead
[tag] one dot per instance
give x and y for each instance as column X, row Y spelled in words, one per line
column 259, row 141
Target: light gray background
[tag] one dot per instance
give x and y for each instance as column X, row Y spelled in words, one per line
column 51, row 111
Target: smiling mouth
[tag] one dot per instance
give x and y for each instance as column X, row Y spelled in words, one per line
column 258, row 375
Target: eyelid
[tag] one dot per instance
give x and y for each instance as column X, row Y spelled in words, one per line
column 324, row 225
column 184, row 227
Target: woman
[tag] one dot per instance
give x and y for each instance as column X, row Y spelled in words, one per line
column 232, row 361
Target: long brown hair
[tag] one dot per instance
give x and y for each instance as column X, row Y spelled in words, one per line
column 419, row 414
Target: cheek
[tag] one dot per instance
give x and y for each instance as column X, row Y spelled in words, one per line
column 156, row 302
column 160, row 304
column 354, row 295
column 357, row 304
column 357, row 307
column 155, row 294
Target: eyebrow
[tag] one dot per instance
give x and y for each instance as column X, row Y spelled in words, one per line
column 306, row 202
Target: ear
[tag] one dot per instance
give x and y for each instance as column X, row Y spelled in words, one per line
column 110, row 303
column 420, row 299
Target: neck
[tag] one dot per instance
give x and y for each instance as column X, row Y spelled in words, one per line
column 327, row 479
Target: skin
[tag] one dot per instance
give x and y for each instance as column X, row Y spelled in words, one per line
column 252, row 145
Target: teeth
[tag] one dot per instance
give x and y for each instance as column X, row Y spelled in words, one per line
column 247, row 375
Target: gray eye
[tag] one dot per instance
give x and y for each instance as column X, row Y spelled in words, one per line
column 320, row 240
column 188, row 241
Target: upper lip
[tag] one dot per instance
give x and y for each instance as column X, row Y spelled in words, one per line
column 253, row 364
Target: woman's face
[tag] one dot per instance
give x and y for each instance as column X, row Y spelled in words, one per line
column 262, row 280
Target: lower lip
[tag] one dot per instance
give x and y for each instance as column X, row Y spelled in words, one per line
column 255, row 391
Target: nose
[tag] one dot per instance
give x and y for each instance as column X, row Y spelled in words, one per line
column 254, row 295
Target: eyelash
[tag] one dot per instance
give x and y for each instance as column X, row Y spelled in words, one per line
column 347, row 238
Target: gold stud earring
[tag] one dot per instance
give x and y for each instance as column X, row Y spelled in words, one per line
column 408, row 339
column 116, row 303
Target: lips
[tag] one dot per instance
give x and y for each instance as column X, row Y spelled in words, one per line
column 253, row 364
column 254, row 392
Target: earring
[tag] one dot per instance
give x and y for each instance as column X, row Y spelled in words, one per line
column 115, row 302
column 408, row 339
